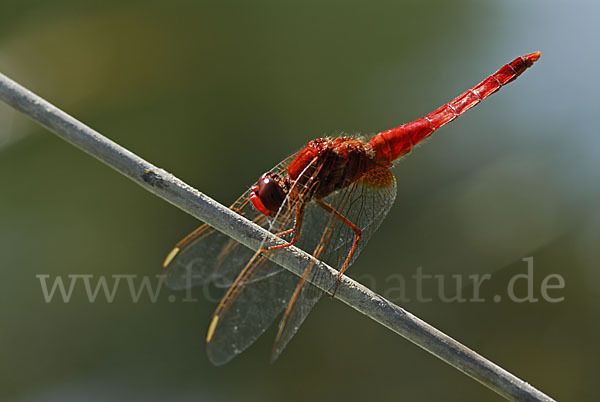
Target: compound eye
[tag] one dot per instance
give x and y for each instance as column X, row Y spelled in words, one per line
column 270, row 193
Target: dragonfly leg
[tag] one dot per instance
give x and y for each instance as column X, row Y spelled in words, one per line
column 296, row 229
column 285, row 232
column 357, row 236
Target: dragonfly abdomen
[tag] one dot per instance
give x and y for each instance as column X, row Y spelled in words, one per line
column 396, row 142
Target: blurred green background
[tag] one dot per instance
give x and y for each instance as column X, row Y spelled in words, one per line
column 217, row 93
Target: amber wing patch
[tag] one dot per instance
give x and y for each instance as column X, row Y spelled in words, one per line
column 378, row 177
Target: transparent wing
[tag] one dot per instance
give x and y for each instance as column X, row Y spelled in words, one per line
column 247, row 310
column 250, row 305
column 258, row 289
column 365, row 204
column 261, row 290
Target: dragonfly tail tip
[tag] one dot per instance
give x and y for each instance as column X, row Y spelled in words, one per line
column 532, row 57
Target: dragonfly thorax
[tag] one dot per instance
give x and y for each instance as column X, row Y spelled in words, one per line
column 332, row 164
column 322, row 167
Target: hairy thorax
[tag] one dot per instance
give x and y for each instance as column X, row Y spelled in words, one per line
column 331, row 164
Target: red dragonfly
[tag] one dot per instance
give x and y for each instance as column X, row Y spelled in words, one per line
column 327, row 199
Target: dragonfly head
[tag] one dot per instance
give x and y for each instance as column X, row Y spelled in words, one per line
column 268, row 194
